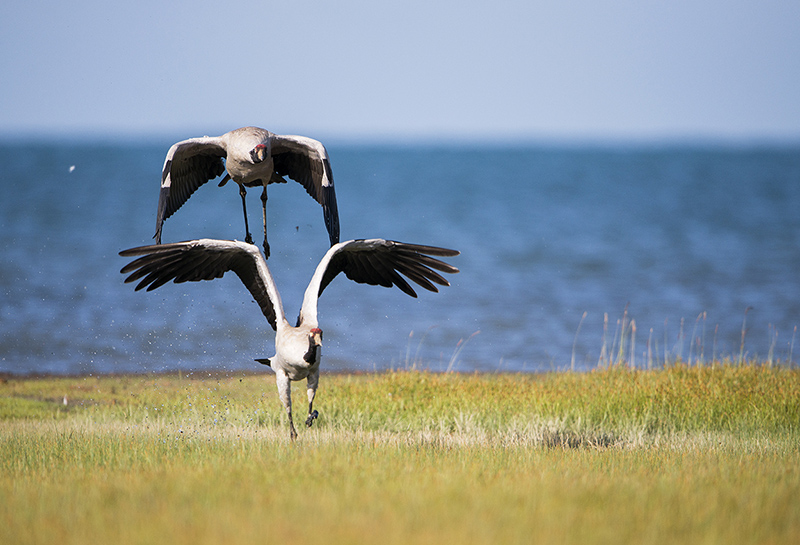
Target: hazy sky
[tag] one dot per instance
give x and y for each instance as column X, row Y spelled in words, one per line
column 358, row 69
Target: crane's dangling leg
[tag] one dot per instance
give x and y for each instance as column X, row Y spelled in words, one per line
column 285, row 394
column 264, row 217
column 313, row 381
column 242, row 192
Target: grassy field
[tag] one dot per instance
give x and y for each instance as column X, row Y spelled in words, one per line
column 678, row 455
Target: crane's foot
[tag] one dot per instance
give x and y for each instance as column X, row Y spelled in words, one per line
column 311, row 417
column 266, row 249
column 248, row 239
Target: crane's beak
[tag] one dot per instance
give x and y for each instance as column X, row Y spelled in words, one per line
column 314, row 345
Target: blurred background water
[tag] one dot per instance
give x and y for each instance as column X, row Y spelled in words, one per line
column 693, row 234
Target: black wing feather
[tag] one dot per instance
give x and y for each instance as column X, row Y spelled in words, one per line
column 195, row 261
column 308, row 169
column 387, row 262
column 191, row 165
column 421, row 268
column 188, row 175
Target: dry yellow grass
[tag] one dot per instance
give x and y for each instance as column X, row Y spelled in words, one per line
column 673, row 456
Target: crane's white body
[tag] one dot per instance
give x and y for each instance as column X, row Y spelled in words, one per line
column 252, row 157
column 298, row 349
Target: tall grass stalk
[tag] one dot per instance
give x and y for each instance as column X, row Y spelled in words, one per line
column 773, row 340
column 612, row 358
column 459, row 347
column 744, row 332
column 623, row 329
column 575, row 341
column 603, row 352
column 413, row 363
column 703, row 341
column 692, row 339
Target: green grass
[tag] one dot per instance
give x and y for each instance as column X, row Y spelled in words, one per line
column 679, row 455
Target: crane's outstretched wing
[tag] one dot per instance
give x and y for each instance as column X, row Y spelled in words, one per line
column 189, row 164
column 379, row 262
column 306, row 161
column 205, row 259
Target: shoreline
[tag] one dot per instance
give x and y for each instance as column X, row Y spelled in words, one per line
column 220, row 373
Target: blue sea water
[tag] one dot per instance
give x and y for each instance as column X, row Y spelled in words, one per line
column 679, row 240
